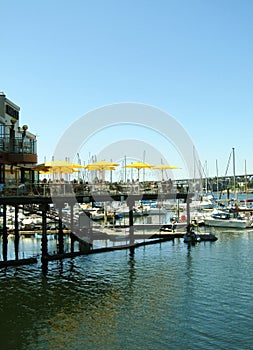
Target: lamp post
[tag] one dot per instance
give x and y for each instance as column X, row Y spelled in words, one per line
column 25, row 127
column 22, row 177
column 12, row 135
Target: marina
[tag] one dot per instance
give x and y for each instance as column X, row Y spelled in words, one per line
column 126, row 175
column 84, row 234
column 85, row 260
column 71, row 223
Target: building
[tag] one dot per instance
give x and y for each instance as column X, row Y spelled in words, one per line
column 18, row 146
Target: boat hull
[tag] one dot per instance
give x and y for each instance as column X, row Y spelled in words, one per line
column 233, row 223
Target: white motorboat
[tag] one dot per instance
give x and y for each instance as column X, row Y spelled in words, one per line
column 154, row 209
column 224, row 219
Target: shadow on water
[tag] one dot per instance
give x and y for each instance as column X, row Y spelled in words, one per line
column 56, row 306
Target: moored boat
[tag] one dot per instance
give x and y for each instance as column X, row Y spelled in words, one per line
column 224, row 219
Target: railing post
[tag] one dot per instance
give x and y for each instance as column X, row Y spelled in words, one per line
column 5, row 235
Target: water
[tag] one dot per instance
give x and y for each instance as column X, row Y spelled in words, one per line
column 165, row 296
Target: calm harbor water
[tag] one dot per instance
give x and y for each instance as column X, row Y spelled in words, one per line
column 165, row 296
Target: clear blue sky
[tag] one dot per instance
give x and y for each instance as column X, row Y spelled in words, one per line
column 192, row 59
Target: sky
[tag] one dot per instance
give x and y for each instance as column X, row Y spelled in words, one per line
column 191, row 59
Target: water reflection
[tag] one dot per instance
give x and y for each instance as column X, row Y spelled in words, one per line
column 90, row 302
column 168, row 296
column 131, row 264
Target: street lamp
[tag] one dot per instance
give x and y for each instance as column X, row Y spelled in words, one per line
column 25, row 127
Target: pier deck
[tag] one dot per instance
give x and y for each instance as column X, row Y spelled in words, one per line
column 85, row 247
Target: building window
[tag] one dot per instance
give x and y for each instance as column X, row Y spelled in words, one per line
column 12, row 112
column 2, row 130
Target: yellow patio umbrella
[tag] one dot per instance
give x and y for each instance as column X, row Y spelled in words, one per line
column 61, row 171
column 58, row 167
column 41, row 168
column 62, row 163
column 101, row 166
column 163, row 167
column 139, row 166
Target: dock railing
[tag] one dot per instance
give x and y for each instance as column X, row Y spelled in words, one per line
column 68, row 188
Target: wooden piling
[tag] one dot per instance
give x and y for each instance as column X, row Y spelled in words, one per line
column 72, row 238
column 130, row 203
column 16, row 232
column 60, row 233
column 5, row 234
column 44, row 247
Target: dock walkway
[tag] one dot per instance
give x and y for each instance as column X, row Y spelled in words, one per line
column 85, row 240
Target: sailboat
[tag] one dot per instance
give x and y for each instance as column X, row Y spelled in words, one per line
column 230, row 216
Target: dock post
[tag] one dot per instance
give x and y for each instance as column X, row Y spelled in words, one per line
column 60, row 233
column 44, row 249
column 130, row 203
column 5, row 234
column 16, row 232
column 72, row 240
column 188, row 214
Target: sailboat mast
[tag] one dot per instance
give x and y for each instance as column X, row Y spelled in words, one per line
column 206, row 176
column 217, row 176
column 246, row 184
column 234, row 172
column 125, row 170
column 194, row 175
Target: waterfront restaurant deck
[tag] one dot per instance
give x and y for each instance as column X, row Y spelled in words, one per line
column 66, row 188
column 43, row 194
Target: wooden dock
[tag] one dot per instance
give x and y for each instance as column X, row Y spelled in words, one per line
column 85, row 247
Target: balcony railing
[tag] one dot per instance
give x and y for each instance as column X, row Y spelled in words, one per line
column 18, row 145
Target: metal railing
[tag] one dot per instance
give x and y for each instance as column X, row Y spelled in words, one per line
column 18, row 145
column 65, row 189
